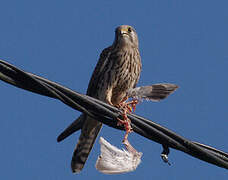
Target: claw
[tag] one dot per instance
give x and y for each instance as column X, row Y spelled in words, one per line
column 132, row 105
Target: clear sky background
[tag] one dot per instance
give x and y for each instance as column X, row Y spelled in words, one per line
column 181, row 42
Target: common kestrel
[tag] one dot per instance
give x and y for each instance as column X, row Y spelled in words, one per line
column 117, row 71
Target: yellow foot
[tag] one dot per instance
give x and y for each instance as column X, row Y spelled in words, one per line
column 129, row 107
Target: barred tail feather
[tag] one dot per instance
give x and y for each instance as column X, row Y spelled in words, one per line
column 87, row 138
column 155, row 92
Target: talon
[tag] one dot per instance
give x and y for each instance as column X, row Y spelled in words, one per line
column 127, row 108
column 134, row 105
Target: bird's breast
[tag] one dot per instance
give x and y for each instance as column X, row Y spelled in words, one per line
column 127, row 68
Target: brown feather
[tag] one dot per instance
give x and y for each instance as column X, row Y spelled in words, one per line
column 117, row 70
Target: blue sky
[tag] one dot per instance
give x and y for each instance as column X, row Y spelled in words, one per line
column 181, row 42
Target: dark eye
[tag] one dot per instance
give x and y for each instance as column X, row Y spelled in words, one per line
column 129, row 29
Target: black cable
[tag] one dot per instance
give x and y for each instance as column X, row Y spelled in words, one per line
column 108, row 114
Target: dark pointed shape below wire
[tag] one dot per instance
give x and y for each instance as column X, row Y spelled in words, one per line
column 108, row 114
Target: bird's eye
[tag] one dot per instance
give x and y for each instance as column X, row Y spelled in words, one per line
column 129, row 29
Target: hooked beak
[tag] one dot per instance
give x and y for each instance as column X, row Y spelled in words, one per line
column 124, row 31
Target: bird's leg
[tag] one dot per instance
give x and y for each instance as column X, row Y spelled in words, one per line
column 125, row 119
column 127, row 124
column 127, row 107
column 130, row 106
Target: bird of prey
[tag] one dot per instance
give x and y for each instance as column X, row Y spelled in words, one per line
column 113, row 81
column 117, row 71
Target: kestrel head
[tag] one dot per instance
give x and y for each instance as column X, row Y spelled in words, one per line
column 126, row 36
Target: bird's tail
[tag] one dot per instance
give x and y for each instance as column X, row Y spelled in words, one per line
column 86, row 140
column 155, row 92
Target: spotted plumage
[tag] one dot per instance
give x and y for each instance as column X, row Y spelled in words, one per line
column 117, row 71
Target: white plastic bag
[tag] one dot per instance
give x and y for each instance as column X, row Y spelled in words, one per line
column 115, row 161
